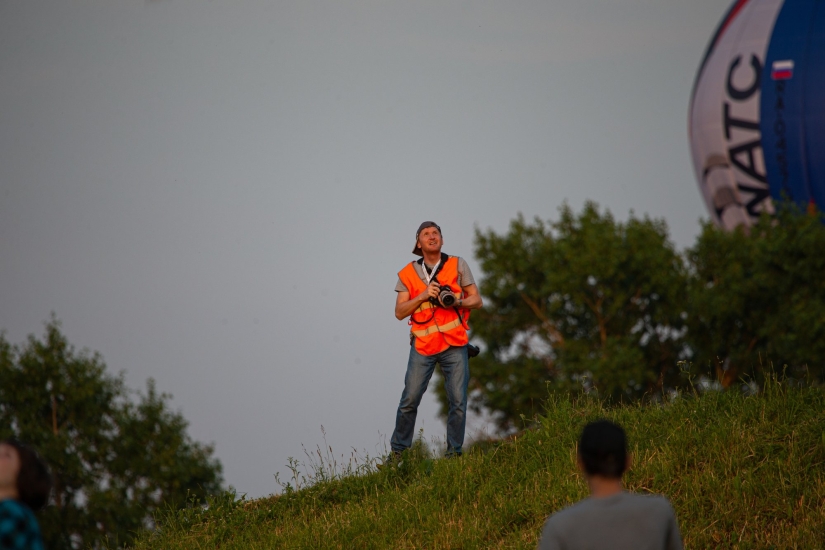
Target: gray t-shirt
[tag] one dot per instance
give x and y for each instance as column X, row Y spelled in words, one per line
column 465, row 277
column 622, row 521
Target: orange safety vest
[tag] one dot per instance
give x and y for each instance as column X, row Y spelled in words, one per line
column 436, row 328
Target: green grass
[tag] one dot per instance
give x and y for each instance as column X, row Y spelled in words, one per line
column 741, row 472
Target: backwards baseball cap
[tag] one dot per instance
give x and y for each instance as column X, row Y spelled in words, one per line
column 422, row 227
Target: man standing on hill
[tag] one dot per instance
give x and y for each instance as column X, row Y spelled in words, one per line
column 436, row 293
column 611, row 518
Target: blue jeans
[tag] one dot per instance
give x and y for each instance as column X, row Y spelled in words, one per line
column 456, row 370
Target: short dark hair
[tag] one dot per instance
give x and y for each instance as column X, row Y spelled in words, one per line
column 34, row 482
column 603, row 449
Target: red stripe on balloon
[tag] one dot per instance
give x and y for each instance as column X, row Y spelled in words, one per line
column 731, row 15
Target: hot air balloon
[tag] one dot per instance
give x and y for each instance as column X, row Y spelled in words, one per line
column 757, row 112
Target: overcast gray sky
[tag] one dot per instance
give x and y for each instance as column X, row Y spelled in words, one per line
column 219, row 194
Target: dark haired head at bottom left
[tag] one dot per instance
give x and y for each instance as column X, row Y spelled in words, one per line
column 25, row 484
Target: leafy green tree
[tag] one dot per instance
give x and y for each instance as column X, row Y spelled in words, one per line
column 115, row 459
column 583, row 303
column 759, row 297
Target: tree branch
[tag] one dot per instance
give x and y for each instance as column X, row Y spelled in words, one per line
column 551, row 329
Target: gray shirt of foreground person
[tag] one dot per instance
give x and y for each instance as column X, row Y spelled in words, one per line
column 621, row 521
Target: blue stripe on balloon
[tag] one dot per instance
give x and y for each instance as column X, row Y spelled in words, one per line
column 783, row 105
column 814, row 86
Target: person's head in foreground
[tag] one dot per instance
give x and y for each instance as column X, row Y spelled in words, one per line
column 603, row 457
column 25, row 484
column 611, row 518
column 23, row 475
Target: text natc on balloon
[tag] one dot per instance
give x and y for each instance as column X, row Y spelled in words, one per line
column 757, row 112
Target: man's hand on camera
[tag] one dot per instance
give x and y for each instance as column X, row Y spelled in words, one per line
column 432, row 292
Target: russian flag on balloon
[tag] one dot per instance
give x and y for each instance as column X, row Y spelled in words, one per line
column 757, row 111
column 782, row 70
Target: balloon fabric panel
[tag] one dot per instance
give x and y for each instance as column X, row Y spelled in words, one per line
column 725, row 133
column 815, row 107
column 792, row 104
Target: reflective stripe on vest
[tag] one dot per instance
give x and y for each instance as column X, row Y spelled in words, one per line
column 435, row 328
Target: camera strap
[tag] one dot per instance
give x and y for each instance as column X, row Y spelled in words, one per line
column 433, row 275
column 429, row 276
column 461, row 318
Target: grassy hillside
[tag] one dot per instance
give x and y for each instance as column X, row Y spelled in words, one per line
column 741, row 472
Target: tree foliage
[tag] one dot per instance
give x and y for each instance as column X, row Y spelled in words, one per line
column 587, row 303
column 116, row 456
column 583, row 303
column 757, row 298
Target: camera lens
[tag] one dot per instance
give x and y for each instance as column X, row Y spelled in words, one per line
column 447, row 297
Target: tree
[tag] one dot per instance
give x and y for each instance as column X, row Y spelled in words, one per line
column 115, row 460
column 759, row 296
column 584, row 303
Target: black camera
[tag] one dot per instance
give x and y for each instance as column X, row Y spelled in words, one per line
column 446, row 296
column 472, row 351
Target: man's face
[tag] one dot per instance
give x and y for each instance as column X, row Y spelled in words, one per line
column 430, row 240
